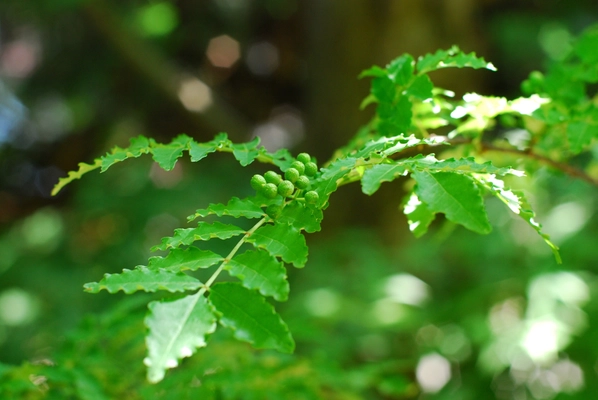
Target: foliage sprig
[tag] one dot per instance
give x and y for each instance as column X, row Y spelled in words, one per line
column 290, row 200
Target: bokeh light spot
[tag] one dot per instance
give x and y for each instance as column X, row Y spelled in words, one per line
column 262, row 58
column 433, row 372
column 223, row 51
column 157, row 19
column 17, row 307
column 194, row 94
column 322, row 302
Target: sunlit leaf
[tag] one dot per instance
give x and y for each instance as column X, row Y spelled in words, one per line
column 455, row 195
column 453, row 57
column 419, row 216
column 517, row 202
column 176, row 329
column 251, row 318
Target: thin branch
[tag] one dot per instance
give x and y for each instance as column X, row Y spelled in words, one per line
column 566, row 168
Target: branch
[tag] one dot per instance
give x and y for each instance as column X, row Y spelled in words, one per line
column 566, row 168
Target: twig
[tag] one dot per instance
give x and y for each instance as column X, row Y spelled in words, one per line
column 566, row 168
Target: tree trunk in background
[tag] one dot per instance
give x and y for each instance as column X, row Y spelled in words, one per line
column 345, row 37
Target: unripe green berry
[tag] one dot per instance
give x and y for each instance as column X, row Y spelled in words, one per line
column 269, row 191
column 299, row 166
column 286, row 188
column 292, row 174
column 273, row 177
column 304, row 158
column 311, row 197
column 302, row 182
column 257, row 181
column 273, row 210
column 311, row 169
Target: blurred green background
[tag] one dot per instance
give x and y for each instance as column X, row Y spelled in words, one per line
column 376, row 314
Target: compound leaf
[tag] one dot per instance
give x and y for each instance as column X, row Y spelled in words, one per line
column 251, row 318
column 281, row 240
column 190, row 258
column 176, row 329
column 259, row 270
column 455, row 195
column 204, row 231
column 143, row 278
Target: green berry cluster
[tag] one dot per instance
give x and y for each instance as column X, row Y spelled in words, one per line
column 296, row 178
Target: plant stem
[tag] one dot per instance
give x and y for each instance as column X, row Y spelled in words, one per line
column 231, row 255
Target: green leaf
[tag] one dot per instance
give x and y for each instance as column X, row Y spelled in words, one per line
column 400, row 70
column 143, row 278
column 327, row 183
column 190, row 258
column 421, row 88
column 518, row 203
column 138, row 145
column 419, row 216
column 176, row 329
column 251, row 318
column 373, row 177
column 374, row 71
column 383, row 89
column 281, row 240
column 581, row 134
column 455, row 195
column 166, row 155
column 465, row 165
column 453, row 57
column 72, row 175
column 259, row 270
column 301, row 217
column 235, row 208
column 204, row 231
column 245, row 153
column 199, row 151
